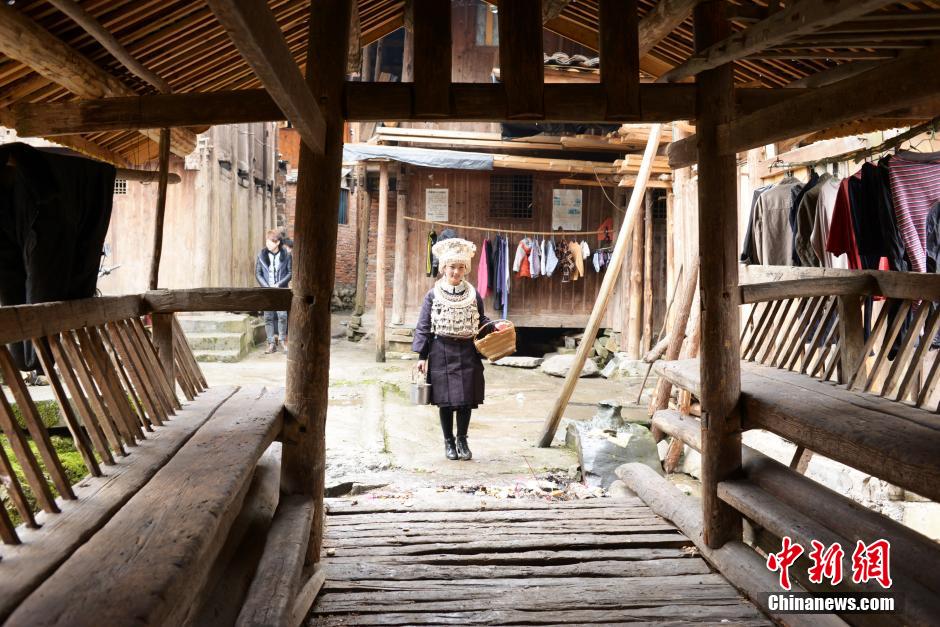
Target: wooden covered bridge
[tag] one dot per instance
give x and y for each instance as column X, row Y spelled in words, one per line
column 183, row 487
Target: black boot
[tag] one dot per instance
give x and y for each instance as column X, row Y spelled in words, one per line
column 463, row 449
column 449, row 451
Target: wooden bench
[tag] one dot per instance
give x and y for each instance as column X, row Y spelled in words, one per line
column 175, row 513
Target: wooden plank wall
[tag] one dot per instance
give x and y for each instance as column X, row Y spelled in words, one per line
column 543, row 302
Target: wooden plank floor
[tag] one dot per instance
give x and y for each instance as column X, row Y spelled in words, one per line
column 602, row 561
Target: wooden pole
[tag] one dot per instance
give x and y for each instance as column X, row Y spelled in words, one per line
column 648, row 275
column 161, row 207
column 380, row 237
column 610, row 279
column 363, row 209
column 720, row 360
column 399, row 282
column 635, row 319
column 163, row 342
column 304, row 435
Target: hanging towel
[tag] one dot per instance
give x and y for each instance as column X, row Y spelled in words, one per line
column 535, row 262
column 585, row 250
column 544, row 260
column 551, row 258
column 596, row 259
column 483, row 284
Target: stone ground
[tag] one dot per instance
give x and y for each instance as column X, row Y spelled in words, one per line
column 376, row 436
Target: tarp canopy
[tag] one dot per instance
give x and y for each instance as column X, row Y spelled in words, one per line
column 452, row 159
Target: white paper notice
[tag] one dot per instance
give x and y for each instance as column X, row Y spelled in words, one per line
column 566, row 209
column 435, row 204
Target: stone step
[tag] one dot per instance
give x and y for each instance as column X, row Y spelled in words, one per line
column 227, row 356
column 217, row 323
column 219, row 341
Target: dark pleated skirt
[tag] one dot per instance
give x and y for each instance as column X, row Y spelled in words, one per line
column 455, row 373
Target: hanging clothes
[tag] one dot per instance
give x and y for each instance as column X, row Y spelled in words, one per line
column 794, row 209
column 880, row 236
column 841, row 239
column 825, row 207
column 505, row 277
column 430, row 266
column 749, row 250
column 565, row 262
column 535, row 261
column 483, row 274
column 520, row 264
column 604, row 229
column 915, row 188
column 805, row 220
column 585, row 250
column 575, row 251
column 551, row 257
column 773, row 236
column 54, row 215
column 491, row 261
column 499, row 288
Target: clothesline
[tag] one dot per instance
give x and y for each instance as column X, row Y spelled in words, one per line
column 516, row 232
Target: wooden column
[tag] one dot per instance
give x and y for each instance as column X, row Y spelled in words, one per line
column 431, row 57
column 161, row 207
column 380, row 237
column 399, row 281
column 718, row 279
column 304, row 434
column 647, row 342
column 163, row 342
column 635, row 319
column 363, row 211
column 521, row 61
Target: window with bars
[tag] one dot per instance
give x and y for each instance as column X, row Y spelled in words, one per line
column 511, row 196
column 120, row 187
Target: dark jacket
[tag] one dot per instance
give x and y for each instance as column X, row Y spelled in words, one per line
column 263, row 263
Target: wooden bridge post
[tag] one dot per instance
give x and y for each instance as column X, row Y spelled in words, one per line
column 303, row 462
column 380, row 251
column 163, row 342
column 718, row 280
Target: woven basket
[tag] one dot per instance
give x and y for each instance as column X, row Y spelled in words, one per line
column 497, row 344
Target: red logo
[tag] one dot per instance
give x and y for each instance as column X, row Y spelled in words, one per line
column 826, row 563
column 872, row 562
column 783, row 560
column 869, row 562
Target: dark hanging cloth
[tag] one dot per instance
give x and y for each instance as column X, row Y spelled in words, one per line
column 794, row 208
column 749, row 251
column 490, row 264
column 933, row 253
column 54, row 215
column 430, row 265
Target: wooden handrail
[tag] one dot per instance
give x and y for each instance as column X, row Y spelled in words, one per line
column 217, row 299
column 761, row 283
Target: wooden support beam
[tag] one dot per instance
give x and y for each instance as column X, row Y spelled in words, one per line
column 432, row 57
column 218, row 299
column 104, row 37
column 160, row 211
column 799, row 18
column 620, row 58
column 23, row 40
column 635, row 312
column 255, row 31
column 380, row 248
column 647, row 340
column 521, row 60
column 661, row 20
column 718, row 279
column 611, row 277
column 303, row 463
column 163, row 342
column 399, row 275
column 363, row 211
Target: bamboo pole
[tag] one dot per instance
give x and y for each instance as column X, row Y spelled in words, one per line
column 161, row 207
column 610, row 279
column 381, row 236
column 647, row 275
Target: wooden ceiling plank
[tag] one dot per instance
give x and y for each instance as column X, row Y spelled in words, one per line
column 521, row 61
column 620, row 58
column 432, row 50
column 800, row 18
column 259, row 39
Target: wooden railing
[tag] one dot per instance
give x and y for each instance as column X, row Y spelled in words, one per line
column 815, row 326
column 114, row 383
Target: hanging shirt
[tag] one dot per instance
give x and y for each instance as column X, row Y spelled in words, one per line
column 749, row 250
column 773, row 236
column 535, row 265
column 933, row 239
column 841, row 238
column 794, row 209
column 551, row 257
column 506, row 278
column 825, row 207
column 805, row 220
column 574, row 249
column 520, row 264
column 430, row 267
column 915, row 188
column 483, row 275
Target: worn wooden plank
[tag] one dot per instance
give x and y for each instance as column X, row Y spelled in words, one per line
column 111, row 369
column 80, row 398
column 115, row 401
column 890, row 335
column 149, row 370
column 432, row 57
column 903, row 356
column 270, row 598
column 138, row 375
column 163, row 342
column 309, row 590
column 490, row 528
column 7, row 531
column 132, row 392
column 34, row 425
column 926, row 391
column 344, row 507
column 814, row 342
column 25, row 567
column 910, row 377
column 900, row 285
column 686, row 428
column 813, row 321
column 521, row 63
column 217, row 299
column 12, row 485
column 504, row 517
column 197, row 494
column 187, row 353
column 22, row 322
column 523, row 558
column 79, row 436
column 149, row 354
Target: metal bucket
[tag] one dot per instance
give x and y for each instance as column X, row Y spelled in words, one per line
column 420, row 388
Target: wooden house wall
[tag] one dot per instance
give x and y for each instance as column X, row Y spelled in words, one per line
column 541, row 302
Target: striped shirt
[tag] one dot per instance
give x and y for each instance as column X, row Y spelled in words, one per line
column 915, row 187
